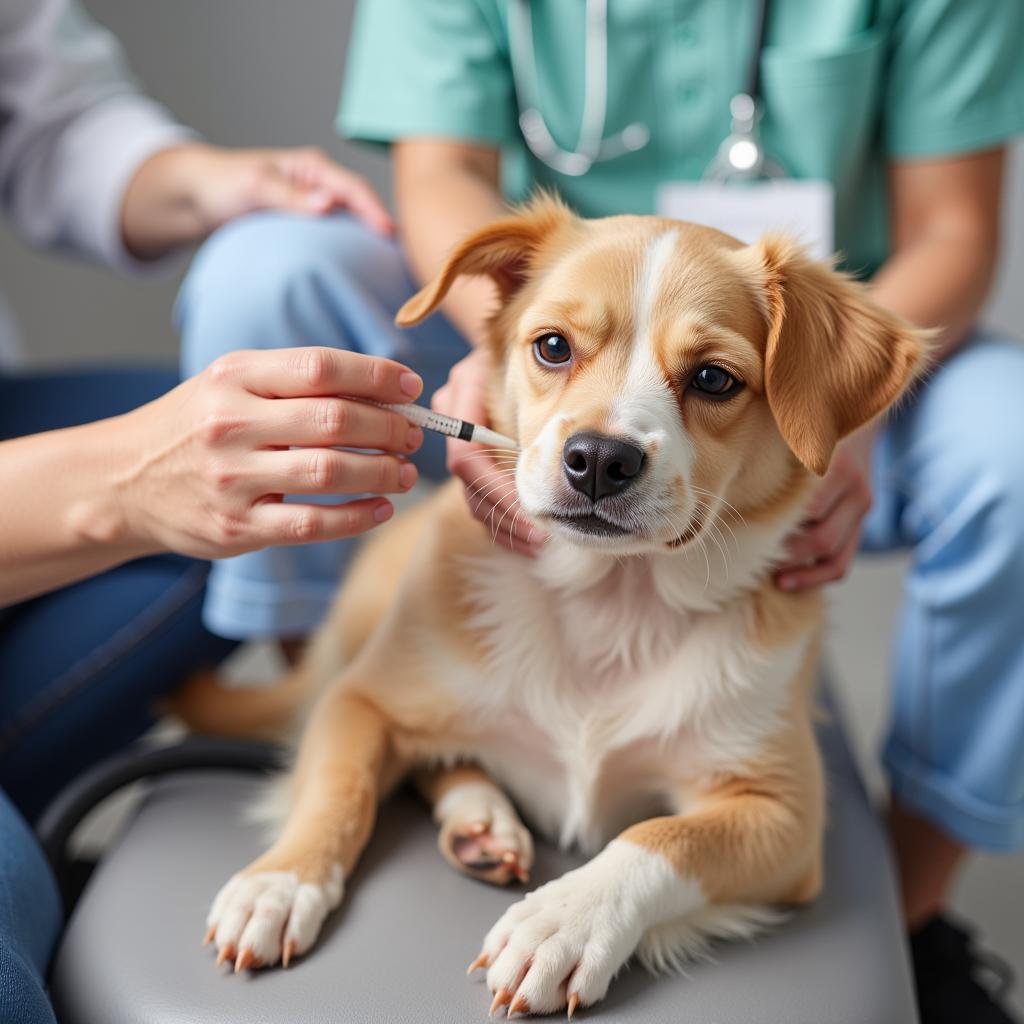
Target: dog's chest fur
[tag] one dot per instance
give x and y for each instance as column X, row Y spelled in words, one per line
column 609, row 695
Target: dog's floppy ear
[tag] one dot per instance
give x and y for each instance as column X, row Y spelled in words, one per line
column 833, row 358
column 505, row 251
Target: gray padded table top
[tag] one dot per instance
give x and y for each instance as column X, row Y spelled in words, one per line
column 396, row 951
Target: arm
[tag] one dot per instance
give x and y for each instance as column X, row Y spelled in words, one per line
column 183, row 193
column 75, row 128
column 202, row 469
column 89, row 163
column 945, row 242
column 445, row 189
column 945, row 216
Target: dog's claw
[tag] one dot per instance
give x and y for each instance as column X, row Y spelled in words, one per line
column 509, row 857
column 519, row 1005
column 210, row 932
column 226, row 953
column 288, row 952
column 501, row 998
column 480, row 961
column 478, row 829
column 246, row 959
column 574, row 1001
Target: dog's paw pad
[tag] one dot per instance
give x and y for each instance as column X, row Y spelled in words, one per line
column 483, row 854
column 263, row 917
column 481, row 834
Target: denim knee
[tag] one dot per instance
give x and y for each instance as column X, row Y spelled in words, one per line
column 963, row 456
column 275, row 280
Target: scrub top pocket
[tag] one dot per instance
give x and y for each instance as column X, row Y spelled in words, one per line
column 822, row 120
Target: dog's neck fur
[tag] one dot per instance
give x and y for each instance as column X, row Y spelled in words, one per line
column 630, row 613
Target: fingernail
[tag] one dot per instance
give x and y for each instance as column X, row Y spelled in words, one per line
column 407, row 475
column 414, row 438
column 787, row 583
column 382, row 513
column 411, row 384
column 318, row 200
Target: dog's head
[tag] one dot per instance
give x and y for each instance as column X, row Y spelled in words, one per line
column 657, row 373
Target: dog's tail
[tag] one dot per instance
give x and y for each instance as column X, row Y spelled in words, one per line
column 206, row 704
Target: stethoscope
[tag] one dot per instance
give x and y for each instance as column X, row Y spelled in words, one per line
column 740, row 157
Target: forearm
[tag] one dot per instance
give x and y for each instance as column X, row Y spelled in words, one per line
column 945, row 217
column 61, row 521
column 444, row 191
column 939, row 282
column 161, row 211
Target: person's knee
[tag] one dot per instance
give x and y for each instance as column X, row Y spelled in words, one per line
column 275, row 280
column 972, row 426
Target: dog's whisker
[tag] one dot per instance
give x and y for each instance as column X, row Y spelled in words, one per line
column 500, row 478
column 493, row 451
column 510, row 508
column 487, row 494
column 717, row 497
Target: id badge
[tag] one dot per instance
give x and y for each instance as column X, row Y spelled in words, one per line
column 803, row 209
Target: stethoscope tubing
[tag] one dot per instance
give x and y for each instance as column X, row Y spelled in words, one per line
column 591, row 146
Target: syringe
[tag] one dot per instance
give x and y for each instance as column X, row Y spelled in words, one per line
column 452, row 427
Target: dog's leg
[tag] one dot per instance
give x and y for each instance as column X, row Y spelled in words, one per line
column 273, row 909
column 481, row 833
column 662, row 888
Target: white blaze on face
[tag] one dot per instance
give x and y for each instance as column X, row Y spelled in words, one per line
column 646, row 409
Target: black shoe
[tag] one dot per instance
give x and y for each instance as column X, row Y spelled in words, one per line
column 956, row 982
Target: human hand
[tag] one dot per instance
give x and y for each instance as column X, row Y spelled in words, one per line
column 183, row 193
column 209, row 462
column 823, row 548
column 489, row 475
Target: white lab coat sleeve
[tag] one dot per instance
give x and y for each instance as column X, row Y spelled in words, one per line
column 74, row 128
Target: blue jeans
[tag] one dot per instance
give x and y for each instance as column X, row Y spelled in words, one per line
column 949, row 485
column 80, row 670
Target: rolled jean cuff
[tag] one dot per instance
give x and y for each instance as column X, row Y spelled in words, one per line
column 945, row 802
column 246, row 609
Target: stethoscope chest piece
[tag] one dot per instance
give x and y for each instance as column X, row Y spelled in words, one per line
column 741, row 156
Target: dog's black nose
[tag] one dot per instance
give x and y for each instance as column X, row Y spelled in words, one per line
column 599, row 466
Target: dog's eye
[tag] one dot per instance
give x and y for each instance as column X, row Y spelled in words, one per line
column 552, row 350
column 714, row 382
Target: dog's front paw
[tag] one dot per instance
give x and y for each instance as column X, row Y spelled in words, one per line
column 481, row 834
column 261, row 917
column 560, row 946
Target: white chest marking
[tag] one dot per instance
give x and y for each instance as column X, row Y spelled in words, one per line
column 599, row 705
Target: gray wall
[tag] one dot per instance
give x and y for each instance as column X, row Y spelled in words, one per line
column 249, row 72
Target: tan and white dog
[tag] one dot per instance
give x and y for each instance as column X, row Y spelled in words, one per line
column 640, row 690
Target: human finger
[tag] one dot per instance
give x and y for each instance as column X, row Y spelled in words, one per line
column 347, row 189
column 334, row 422
column 326, row 471
column 317, row 370
column 280, row 522
column 826, row 571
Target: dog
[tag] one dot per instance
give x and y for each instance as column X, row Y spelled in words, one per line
column 641, row 690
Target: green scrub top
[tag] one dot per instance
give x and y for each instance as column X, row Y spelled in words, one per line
column 848, row 85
